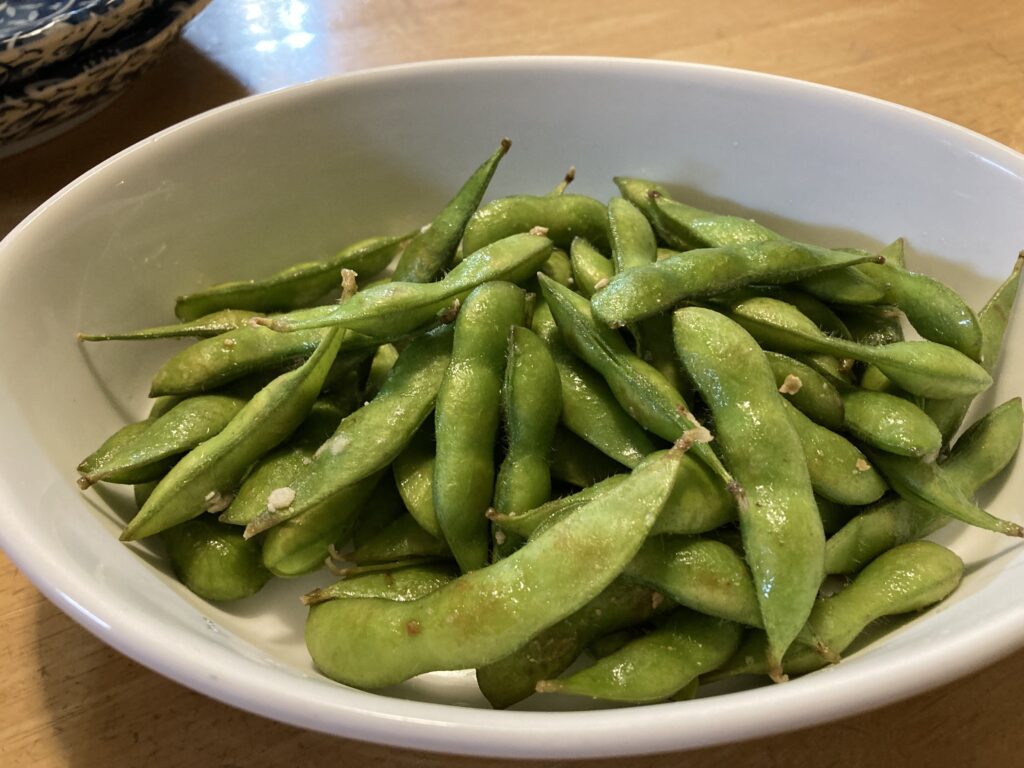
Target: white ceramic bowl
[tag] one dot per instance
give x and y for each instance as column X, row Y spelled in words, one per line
column 293, row 175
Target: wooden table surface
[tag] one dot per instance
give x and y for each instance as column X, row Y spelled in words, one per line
column 70, row 700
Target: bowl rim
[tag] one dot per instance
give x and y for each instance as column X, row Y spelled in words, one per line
column 321, row 705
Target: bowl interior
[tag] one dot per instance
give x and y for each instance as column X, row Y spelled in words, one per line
column 298, row 174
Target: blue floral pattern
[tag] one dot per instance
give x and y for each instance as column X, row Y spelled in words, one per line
column 37, row 34
column 73, row 87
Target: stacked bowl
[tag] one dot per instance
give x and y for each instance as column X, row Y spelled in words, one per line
column 62, row 60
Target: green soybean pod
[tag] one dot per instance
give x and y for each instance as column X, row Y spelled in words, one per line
column 472, row 621
column 414, row 475
column 532, row 403
column 513, row 678
column 589, row 409
column 213, row 324
column 781, row 527
column 591, row 270
column 111, row 447
column 807, row 390
column 402, row 539
column 558, row 267
column 642, row 194
column 994, row 318
column 891, row 424
column 839, row 471
column 295, row 286
column 383, row 361
column 907, row 578
column 214, row 561
column 541, row 517
column 564, row 216
column 399, row 584
column 978, row 456
column 873, row 325
column 397, row 308
column 577, row 462
column 380, row 511
column 369, row 439
column 204, row 479
column 632, row 239
column 705, row 575
column 641, row 390
column 466, row 419
column 432, row 249
column 657, row 665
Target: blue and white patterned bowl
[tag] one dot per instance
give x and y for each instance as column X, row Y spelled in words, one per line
column 37, row 33
column 38, row 108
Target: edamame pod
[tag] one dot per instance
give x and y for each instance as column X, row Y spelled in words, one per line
column 631, row 236
column 402, row 539
column 807, row 390
column 204, row 479
column 213, row 324
column 890, row 424
column 656, row 665
column 432, row 249
column 782, row 532
column 576, row 462
column 978, row 456
column 214, row 560
column 400, row 584
column 466, row 419
column 414, row 475
column 471, row 622
column 397, row 308
column 564, row 216
column 295, row 286
column 591, row 270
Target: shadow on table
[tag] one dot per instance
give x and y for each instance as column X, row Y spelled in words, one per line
column 181, row 85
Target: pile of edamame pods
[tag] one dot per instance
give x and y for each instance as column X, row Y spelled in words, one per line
column 639, row 432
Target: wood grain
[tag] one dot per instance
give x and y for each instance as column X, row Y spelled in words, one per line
column 70, row 700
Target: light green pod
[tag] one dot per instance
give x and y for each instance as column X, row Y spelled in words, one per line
column 212, row 324
column 376, row 433
column 920, row 367
column 513, row 678
column 397, row 308
column 400, row 584
column 820, row 313
column 875, row 325
column 214, row 560
column 591, row 270
column 403, row 539
column 632, row 239
column 576, row 462
column 978, row 456
column 641, row 390
column 642, row 194
column 431, row 251
column 383, row 509
column 115, row 445
column 890, row 424
column 910, row 577
column 206, row 477
column 384, row 360
column 473, row 621
column 658, row 665
column 542, row 517
column 466, row 419
column 564, row 216
column 532, row 403
column 838, row 470
column 589, row 409
column 807, row 390
column 705, row 575
column 558, row 267
column 782, row 532
column 994, row 318
column 295, row 286
column 414, row 475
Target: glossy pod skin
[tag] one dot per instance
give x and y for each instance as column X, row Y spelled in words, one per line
column 213, row 324
column 920, row 367
column 466, row 419
column 978, row 456
column 414, row 476
column 400, row 585
column 577, row 462
column 657, row 665
column 383, row 509
column 994, row 318
column 632, row 239
column 115, row 445
column 208, row 474
column 811, row 393
column 839, row 471
column 295, row 286
column 397, row 308
column 432, row 250
column 779, row 521
column 643, row 392
column 380, row 429
column 909, row 577
column 532, row 403
column 589, row 408
column 515, row 677
column 591, row 270
column 565, row 216
column 214, row 560
column 648, row 290
column 471, row 622
column 891, row 424
column 402, row 539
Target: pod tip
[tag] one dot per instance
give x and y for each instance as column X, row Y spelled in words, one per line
column 548, row 686
column 506, row 144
